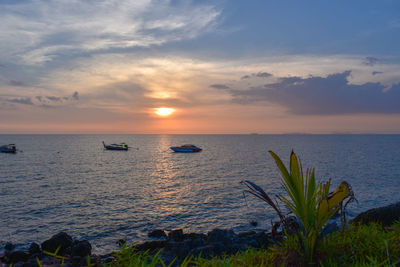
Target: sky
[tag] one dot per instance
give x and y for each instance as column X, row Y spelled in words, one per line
column 199, row 67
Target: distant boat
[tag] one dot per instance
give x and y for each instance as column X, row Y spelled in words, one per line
column 186, row 148
column 121, row 146
column 8, row 148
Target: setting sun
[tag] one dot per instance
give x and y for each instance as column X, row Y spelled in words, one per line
column 164, row 112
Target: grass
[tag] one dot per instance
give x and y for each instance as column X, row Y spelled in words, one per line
column 359, row 245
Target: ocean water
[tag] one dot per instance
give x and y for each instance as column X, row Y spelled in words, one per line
column 70, row 183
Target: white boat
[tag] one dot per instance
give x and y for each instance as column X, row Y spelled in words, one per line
column 186, row 148
column 121, row 146
column 8, row 148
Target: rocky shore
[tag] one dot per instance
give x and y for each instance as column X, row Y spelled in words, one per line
column 63, row 249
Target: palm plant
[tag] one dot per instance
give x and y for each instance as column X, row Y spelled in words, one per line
column 309, row 200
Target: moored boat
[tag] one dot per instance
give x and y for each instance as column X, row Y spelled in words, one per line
column 11, row 148
column 186, row 148
column 121, row 146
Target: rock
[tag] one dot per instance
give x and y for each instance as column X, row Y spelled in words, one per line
column 178, row 249
column 263, row 240
column 194, row 236
column 28, row 264
column 204, row 251
column 246, row 234
column 248, row 239
column 385, row 215
column 85, row 261
column 75, row 260
column 210, row 250
column 9, row 246
column 157, row 233
column 196, row 242
column 81, row 248
column 151, row 245
column 34, row 248
column 253, row 223
column 221, row 235
column 107, row 258
column 62, row 240
column 176, row 235
column 17, row 256
column 330, row 228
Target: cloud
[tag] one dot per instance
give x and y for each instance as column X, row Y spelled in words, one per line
column 40, row 100
column 324, row 95
column 370, row 61
column 259, row 74
column 263, row 74
column 54, row 98
column 75, row 95
column 376, row 72
column 219, row 86
column 22, row 100
column 44, row 30
column 16, row 83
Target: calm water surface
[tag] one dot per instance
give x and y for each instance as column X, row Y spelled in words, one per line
column 69, row 183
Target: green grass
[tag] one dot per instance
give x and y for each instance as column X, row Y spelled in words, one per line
column 361, row 246
column 370, row 245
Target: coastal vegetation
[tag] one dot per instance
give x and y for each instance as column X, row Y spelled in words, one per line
column 311, row 202
column 358, row 245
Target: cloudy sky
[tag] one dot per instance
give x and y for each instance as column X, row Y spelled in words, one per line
column 108, row 66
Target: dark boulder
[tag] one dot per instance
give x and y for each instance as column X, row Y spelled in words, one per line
column 194, row 236
column 263, row 240
column 225, row 236
column 27, row 264
column 385, row 215
column 34, row 248
column 211, row 250
column 61, row 240
column 9, row 246
column 176, row 235
column 204, row 251
column 107, row 258
column 151, row 245
column 81, row 248
column 18, row 256
column 195, row 242
column 157, row 233
column 248, row 239
column 178, row 249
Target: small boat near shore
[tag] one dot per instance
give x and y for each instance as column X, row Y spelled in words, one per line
column 11, row 148
column 121, row 146
column 186, row 148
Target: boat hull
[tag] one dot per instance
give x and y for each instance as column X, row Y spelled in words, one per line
column 121, row 146
column 185, row 149
column 8, row 149
column 116, row 148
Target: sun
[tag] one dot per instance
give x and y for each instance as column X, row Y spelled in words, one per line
column 164, row 112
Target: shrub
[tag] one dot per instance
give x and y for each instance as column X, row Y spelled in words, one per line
column 309, row 200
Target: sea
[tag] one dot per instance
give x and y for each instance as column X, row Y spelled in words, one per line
column 70, row 183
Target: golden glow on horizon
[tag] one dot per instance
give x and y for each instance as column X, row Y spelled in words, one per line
column 164, row 112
